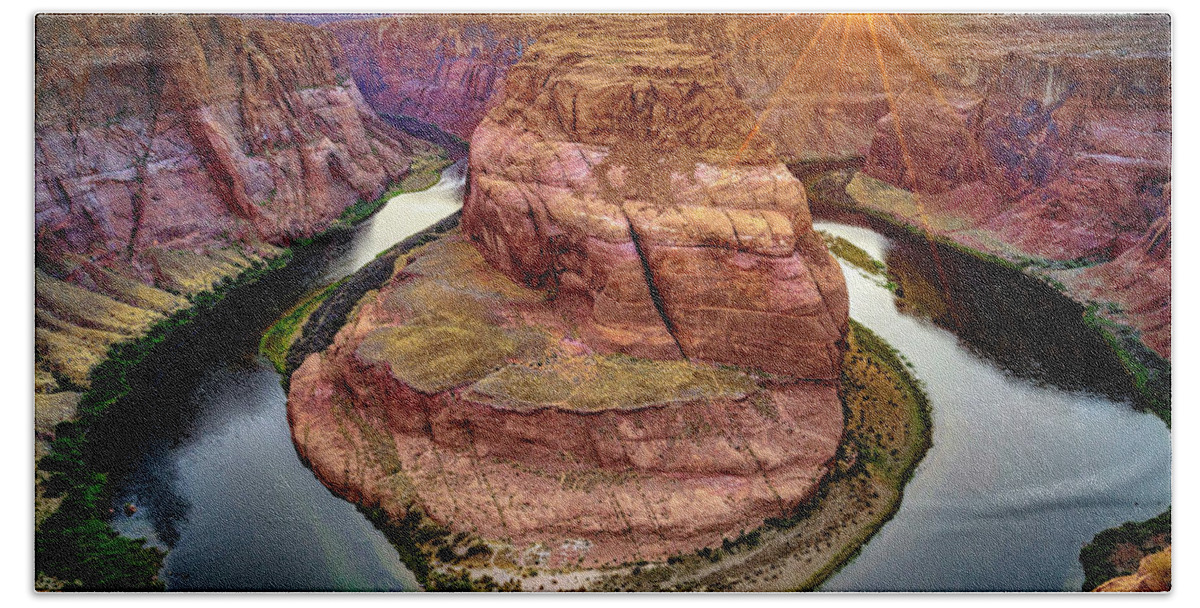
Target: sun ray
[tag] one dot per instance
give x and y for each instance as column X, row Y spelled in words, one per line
column 906, row 157
column 902, row 20
column 937, row 92
column 903, row 43
column 774, row 99
column 842, row 47
column 830, row 76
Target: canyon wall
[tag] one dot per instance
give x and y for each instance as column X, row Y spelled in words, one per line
column 1053, row 151
column 443, row 69
column 172, row 152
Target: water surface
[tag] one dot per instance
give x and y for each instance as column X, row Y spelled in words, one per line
column 1033, row 450
column 206, row 452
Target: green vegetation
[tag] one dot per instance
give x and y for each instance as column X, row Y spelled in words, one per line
column 1117, row 551
column 893, row 439
column 75, row 544
column 1150, row 373
column 452, row 338
column 853, row 254
column 419, row 540
column 75, row 547
column 597, row 382
column 855, row 191
column 887, row 434
column 279, row 337
column 437, row 353
column 424, row 172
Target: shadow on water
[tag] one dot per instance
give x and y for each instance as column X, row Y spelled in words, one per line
column 1017, row 322
column 225, row 336
column 1021, row 324
column 202, row 449
column 1035, row 446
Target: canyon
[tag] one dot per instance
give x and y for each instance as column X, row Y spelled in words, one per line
column 1041, row 141
column 175, row 152
column 633, row 346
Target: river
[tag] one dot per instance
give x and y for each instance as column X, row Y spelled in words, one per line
column 1034, row 448
column 209, row 459
column 1034, row 451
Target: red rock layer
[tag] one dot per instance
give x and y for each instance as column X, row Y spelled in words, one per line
column 172, row 151
column 1061, row 152
column 1153, row 575
column 623, row 170
column 444, row 69
column 563, row 484
column 817, row 83
column 620, row 203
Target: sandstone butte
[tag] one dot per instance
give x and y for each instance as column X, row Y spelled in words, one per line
column 172, row 152
column 1101, row 197
column 631, row 350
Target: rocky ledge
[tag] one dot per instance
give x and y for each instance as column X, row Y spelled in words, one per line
column 632, row 350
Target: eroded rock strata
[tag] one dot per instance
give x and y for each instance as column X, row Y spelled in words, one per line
column 174, row 151
column 548, row 378
column 630, row 176
column 459, row 392
column 1030, row 137
column 1057, row 156
column 448, row 70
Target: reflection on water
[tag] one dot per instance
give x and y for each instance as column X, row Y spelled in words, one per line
column 395, row 222
column 204, row 451
column 1021, row 324
column 1029, row 460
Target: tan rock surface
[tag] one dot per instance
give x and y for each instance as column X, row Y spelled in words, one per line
column 1153, row 575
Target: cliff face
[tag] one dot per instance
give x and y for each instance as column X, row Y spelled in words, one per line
column 625, row 172
column 444, row 69
column 547, row 378
column 460, row 393
column 1028, row 136
column 1059, row 153
column 1153, row 575
column 174, row 151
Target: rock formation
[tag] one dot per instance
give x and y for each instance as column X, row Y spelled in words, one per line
column 547, row 378
column 174, row 151
column 967, row 90
column 633, row 178
column 1057, row 156
column 444, row 69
